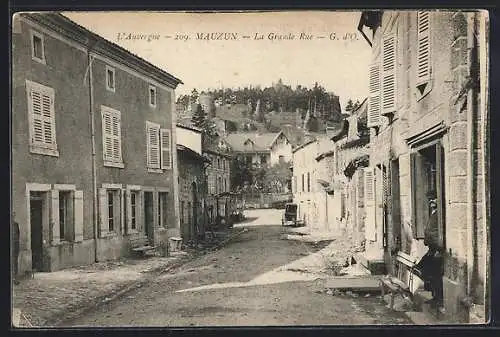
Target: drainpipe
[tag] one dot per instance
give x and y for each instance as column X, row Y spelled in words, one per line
column 470, row 157
column 92, row 136
column 483, row 64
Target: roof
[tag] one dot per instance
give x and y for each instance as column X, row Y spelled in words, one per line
column 310, row 141
column 70, row 29
column 262, row 141
column 185, row 125
column 192, row 154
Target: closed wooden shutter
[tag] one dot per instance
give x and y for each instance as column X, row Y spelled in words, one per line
column 111, row 135
column 374, row 95
column 423, row 49
column 128, row 207
column 103, row 212
column 42, row 115
column 54, row 216
column 153, row 145
column 389, row 74
column 78, row 215
column 370, row 228
column 122, row 211
column 166, row 149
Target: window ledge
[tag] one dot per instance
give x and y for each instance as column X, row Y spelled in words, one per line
column 44, row 151
column 114, row 164
column 132, row 231
column 155, row 170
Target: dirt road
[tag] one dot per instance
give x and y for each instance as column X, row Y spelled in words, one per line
column 241, row 289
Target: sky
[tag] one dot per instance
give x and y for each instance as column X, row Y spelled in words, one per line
column 340, row 65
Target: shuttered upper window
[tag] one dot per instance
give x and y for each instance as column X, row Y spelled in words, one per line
column 111, row 137
column 41, row 116
column 423, row 52
column 37, row 47
column 374, row 97
column 388, row 74
column 159, row 144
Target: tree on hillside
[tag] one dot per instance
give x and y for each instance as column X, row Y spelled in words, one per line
column 277, row 177
column 351, row 106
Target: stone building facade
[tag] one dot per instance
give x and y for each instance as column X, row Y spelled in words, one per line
column 426, row 118
column 92, row 159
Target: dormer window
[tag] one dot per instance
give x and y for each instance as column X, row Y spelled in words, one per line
column 110, row 79
column 37, row 47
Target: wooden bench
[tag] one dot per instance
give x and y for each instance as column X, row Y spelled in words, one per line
column 395, row 285
column 140, row 244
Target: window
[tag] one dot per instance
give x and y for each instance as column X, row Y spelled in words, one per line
column 218, row 163
column 303, row 189
column 37, row 47
column 281, row 159
column 263, row 159
column 182, row 213
column 111, row 137
column 423, row 53
column 158, row 147
column 110, row 79
column 308, row 182
column 133, row 209
column 110, row 207
column 162, row 209
column 65, row 215
column 41, row 116
column 152, row 96
column 111, row 212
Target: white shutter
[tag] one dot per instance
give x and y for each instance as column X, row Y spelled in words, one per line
column 107, row 136
column 389, row 74
column 122, row 211
column 166, row 149
column 423, row 48
column 103, row 212
column 117, row 139
column 370, row 229
column 128, row 206
column 153, row 145
column 42, row 115
column 78, row 215
column 54, row 216
column 374, row 95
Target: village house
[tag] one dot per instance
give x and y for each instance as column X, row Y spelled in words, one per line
column 266, row 149
column 220, row 201
column 354, row 188
column 192, row 182
column 92, row 137
column 427, row 136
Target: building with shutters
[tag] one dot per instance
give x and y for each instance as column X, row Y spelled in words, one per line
column 427, row 114
column 352, row 193
column 220, row 201
column 92, row 139
column 192, row 182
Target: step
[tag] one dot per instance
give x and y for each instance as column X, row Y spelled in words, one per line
column 368, row 284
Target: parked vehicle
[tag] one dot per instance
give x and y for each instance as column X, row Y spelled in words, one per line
column 290, row 216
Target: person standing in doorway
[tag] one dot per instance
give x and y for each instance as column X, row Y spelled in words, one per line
column 431, row 263
column 15, row 250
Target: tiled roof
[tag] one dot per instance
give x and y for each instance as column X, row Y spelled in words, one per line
column 261, row 141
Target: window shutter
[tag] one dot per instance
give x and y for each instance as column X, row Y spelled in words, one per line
column 107, row 136
column 423, row 48
column 122, row 211
column 166, row 145
column 374, row 95
column 42, row 115
column 54, row 216
column 103, row 212
column 370, row 229
column 153, row 145
column 128, row 206
column 117, row 141
column 389, row 74
column 78, row 215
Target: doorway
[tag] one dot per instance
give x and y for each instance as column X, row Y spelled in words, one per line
column 38, row 214
column 148, row 215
